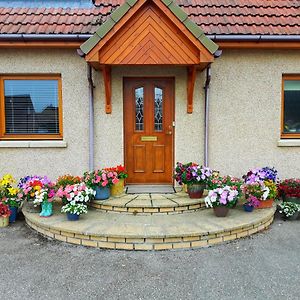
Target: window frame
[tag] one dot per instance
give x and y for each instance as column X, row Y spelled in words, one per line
column 9, row 137
column 283, row 134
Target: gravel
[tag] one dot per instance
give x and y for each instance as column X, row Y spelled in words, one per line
column 264, row 266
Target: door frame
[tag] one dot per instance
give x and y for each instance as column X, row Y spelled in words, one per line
column 172, row 81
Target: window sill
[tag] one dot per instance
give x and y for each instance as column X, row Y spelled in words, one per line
column 33, row 144
column 288, row 143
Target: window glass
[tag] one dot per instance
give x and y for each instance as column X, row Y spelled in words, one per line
column 158, row 109
column 31, row 106
column 291, row 106
column 139, row 109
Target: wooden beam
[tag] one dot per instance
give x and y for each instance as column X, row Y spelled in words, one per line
column 191, row 78
column 106, row 71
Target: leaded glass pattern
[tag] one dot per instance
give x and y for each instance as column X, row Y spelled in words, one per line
column 158, row 109
column 139, row 109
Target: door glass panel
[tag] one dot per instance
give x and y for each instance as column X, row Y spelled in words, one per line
column 158, row 109
column 139, row 109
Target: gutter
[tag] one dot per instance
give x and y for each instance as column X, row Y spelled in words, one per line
column 214, row 37
column 44, row 37
column 254, row 38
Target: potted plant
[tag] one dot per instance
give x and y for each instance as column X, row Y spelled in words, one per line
column 101, row 181
column 261, row 183
column 10, row 196
column 289, row 210
column 251, row 203
column 180, row 169
column 45, row 197
column 29, row 185
column 196, row 177
column 63, row 181
column 221, row 199
column 75, row 197
column 4, row 214
column 74, row 210
column 118, row 188
column 289, row 190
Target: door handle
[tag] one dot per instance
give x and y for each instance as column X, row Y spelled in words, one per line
column 169, row 132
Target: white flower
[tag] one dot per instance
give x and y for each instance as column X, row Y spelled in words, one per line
column 266, row 193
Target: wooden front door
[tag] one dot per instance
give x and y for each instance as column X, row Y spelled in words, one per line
column 149, row 133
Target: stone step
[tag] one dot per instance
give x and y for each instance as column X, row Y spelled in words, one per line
column 152, row 232
column 148, row 204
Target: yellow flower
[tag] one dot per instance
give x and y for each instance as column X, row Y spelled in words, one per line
column 37, row 187
column 7, row 180
column 13, row 191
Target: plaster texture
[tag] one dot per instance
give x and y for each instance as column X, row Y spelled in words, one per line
column 52, row 161
column 245, row 110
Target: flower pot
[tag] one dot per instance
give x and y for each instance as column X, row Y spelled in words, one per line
column 102, row 193
column 47, row 209
column 196, row 190
column 184, row 188
column 73, row 217
column 221, row 211
column 4, row 221
column 248, row 208
column 266, row 203
column 291, row 199
column 13, row 214
column 118, row 188
column 293, row 217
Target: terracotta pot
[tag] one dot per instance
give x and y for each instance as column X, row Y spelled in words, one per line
column 266, row 204
column 221, row 211
column 196, row 190
column 4, row 221
column 118, row 188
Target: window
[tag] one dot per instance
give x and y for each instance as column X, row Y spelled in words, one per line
column 31, row 107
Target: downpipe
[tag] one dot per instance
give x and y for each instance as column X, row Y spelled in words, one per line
column 91, row 116
column 206, row 116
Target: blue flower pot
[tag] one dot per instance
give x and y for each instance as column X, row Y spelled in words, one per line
column 73, row 217
column 13, row 214
column 102, row 193
column 248, row 208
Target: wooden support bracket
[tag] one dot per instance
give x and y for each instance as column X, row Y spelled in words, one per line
column 106, row 71
column 191, row 78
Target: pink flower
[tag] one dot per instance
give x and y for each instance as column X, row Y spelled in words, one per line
column 97, row 180
column 115, row 180
column 104, row 183
column 51, row 193
column 104, row 177
column 60, row 193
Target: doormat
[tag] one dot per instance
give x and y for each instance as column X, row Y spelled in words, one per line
column 150, row 189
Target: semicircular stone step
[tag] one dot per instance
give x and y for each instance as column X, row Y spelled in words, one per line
column 147, row 204
column 151, row 232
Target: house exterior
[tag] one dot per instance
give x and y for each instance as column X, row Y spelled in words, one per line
column 88, row 84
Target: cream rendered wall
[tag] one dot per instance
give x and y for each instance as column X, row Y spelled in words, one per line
column 52, row 161
column 109, row 142
column 245, row 100
column 245, row 112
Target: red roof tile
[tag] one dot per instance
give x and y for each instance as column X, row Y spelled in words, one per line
column 213, row 16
